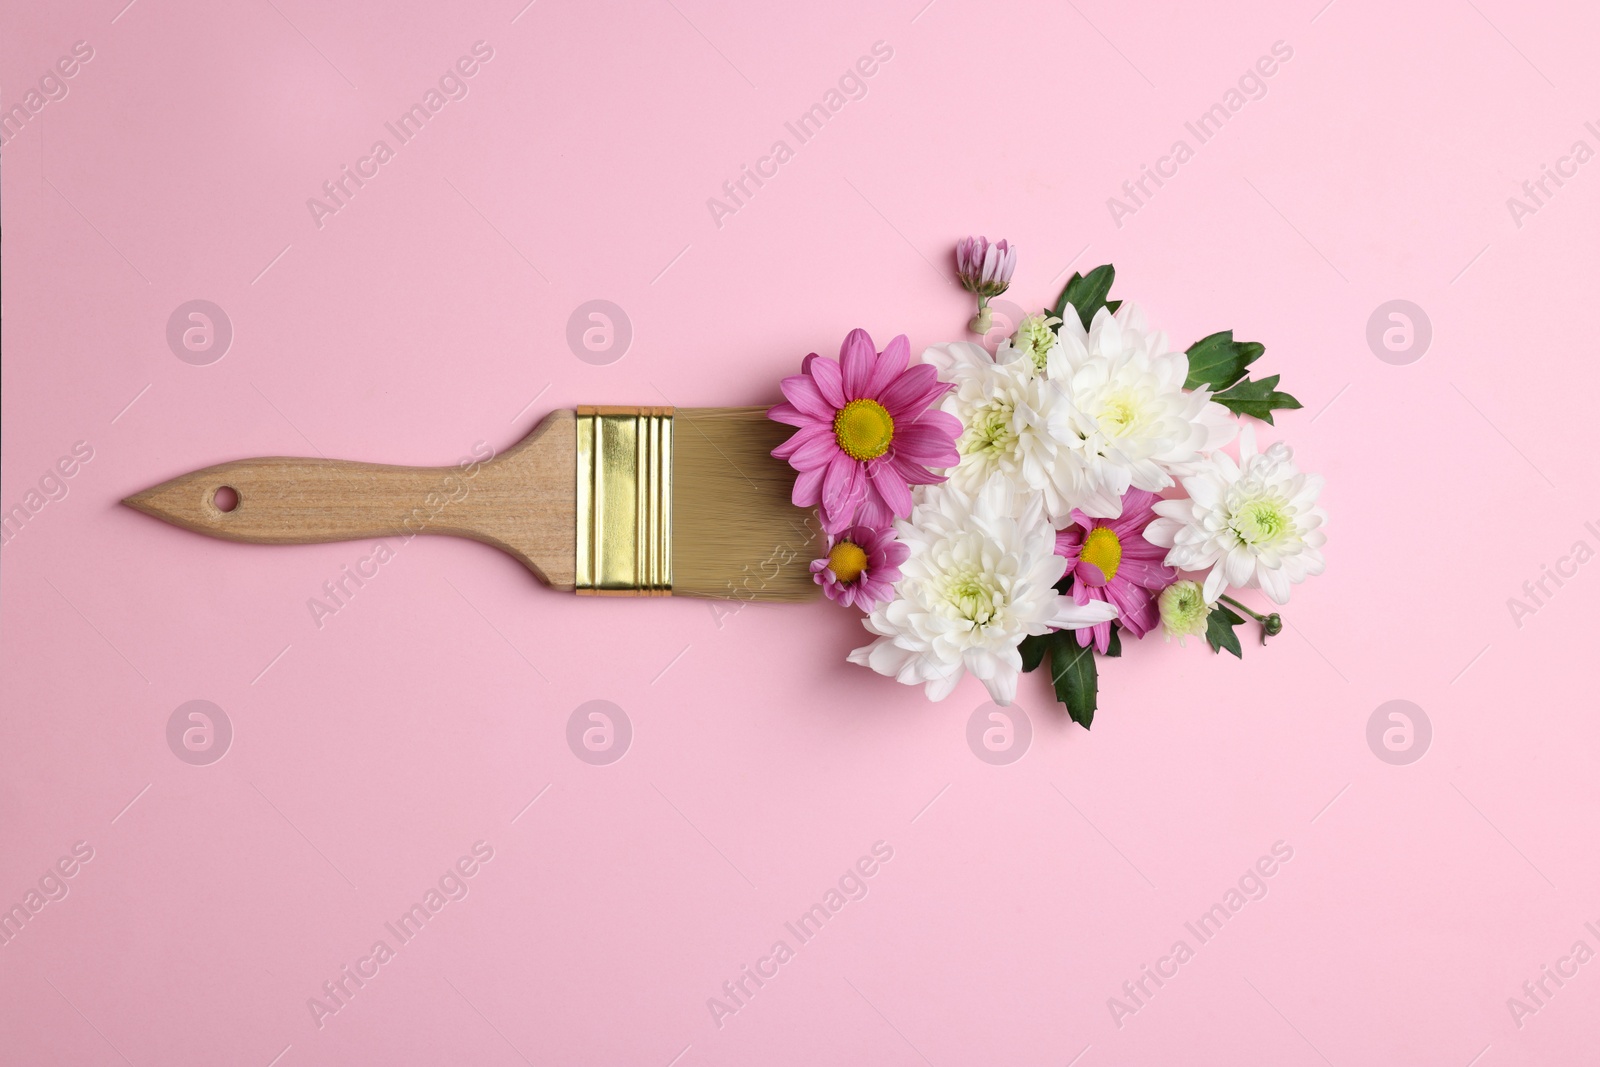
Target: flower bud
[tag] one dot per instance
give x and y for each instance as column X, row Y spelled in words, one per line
column 1034, row 339
column 983, row 267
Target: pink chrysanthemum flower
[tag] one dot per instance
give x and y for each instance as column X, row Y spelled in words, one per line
column 1110, row 560
column 861, row 567
column 865, row 433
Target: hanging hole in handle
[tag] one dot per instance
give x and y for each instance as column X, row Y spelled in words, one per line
column 225, row 499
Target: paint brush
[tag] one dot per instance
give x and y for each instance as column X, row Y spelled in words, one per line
column 605, row 501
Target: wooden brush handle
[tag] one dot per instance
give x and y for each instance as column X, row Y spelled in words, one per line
column 521, row 501
column 292, row 501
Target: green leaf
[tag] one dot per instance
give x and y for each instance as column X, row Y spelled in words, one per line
column 1087, row 294
column 1257, row 398
column 1115, row 647
column 1073, row 672
column 1033, row 649
column 1219, row 631
column 1218, row 361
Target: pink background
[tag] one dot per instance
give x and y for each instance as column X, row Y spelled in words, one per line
column 431, row 312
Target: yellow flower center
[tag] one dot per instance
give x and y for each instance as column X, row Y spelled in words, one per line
column 847, row 561
column 1103, row 549
column 864, row 429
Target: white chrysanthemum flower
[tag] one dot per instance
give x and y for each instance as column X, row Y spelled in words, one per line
column 1016, row 425
column 1126, row 382
column 981, row 576
column 1253, row 524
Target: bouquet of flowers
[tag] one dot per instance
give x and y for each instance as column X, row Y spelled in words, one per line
column 996, row 512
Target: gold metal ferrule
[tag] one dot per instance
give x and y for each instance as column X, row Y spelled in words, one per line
column 624, row 501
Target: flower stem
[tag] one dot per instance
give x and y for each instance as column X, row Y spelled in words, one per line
column 1259, row 618
column 983, row 319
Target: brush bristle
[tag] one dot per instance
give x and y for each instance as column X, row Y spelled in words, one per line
column 735, row 534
